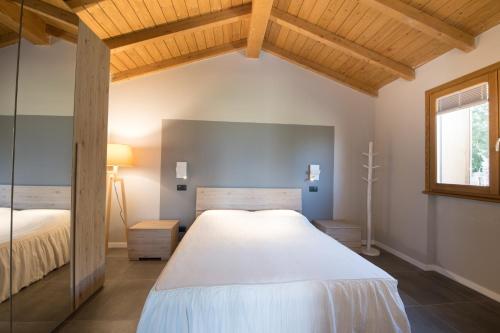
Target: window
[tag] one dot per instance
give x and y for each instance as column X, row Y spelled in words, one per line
column 462, row 128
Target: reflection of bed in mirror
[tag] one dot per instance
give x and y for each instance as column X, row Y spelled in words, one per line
column 41, row 234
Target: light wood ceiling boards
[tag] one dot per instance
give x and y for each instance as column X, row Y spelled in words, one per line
column 187, row 26
column 424, row 22
column 41, row 20
column 308, row 64
column 330, row 39
column 8, row 38
column 81, row 5
column 33, row 26
column 181, row 60
column 63, row 17
column 63, row 34
column 365, row 44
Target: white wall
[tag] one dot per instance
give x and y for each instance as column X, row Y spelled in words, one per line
column 235, row 88
column 458, row 235
column 46, row 79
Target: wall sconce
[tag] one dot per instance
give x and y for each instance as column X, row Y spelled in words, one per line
column 181, row 170
column 314, row 172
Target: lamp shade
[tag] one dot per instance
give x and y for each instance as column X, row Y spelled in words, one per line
column 119, row 155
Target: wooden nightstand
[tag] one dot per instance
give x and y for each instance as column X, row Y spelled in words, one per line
column 152, row 239
column 346, row 233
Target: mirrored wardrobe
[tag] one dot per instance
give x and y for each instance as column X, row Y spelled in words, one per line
column 53, row 124
column 9, row 39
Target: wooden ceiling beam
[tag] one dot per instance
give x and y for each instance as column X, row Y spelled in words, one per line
column 190, row 25
column 59, row 33
column 261, row 11
column 68, row 19
column 178, row 61
column 79, row 5
column 321, row 70
column 424, row 22
column 8, row 39
column 33, row 26
column 339, row 43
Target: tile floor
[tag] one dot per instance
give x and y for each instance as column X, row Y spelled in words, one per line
column 434, row 304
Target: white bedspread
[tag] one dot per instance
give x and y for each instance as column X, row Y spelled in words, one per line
column 269, row 271
column 40, row 244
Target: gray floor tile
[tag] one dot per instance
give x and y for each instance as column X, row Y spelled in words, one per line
column 391, row 263
column 425, row 291
column 468, row 317
column 118, row 300
column 423, row 321
column 99, row 326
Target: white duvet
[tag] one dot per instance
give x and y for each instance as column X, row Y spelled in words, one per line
column 269, row 271
column 40, row 244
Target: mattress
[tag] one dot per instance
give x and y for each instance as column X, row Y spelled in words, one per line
column 41, row 239
column 269, row 271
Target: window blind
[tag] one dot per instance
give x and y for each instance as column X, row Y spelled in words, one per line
column 466, row 98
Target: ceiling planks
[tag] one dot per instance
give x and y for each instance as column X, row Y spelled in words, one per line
column 187, row 26
column 310, row 65
column 33, row 26
column 8, row 39
column 181, row 60
column 68, row 19
column 81, row 5
column 332, row 40
column 363, row 43
column 261, row 10
column 59, row 33
column 424, row 22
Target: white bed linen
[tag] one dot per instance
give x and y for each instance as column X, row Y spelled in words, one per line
column 269, row 271
column 40, row 244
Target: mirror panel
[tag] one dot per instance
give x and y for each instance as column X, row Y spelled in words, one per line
column 41, row 238
column 9, row 37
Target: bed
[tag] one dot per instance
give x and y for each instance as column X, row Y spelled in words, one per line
column 267, row 270
column 41, row 237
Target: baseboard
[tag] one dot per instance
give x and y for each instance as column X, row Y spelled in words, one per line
column 117, row 245
column 436, row 268
column 405, row 257
column 468, row 283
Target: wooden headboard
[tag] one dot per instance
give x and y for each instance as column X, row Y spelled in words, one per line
column 248, row 198
column 37, row 197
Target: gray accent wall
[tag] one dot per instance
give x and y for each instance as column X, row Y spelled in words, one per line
column 230, row 154
column 43, row 150
column 6, row 140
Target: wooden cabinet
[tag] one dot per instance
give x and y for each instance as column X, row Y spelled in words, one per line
column 89, row 183
column 346, row 233
column 153, row 239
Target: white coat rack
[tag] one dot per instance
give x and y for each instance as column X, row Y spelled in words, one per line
column 368, row 249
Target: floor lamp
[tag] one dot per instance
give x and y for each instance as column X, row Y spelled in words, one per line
column 118, row 155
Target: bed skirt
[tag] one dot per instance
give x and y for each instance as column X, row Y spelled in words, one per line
column 33, row 257
column 340, row 306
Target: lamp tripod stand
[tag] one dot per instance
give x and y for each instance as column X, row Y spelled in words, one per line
column 111, row 183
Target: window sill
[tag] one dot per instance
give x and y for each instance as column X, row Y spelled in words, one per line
column 464, row 196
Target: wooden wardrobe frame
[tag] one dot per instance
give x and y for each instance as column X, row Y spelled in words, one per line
column 89, row 179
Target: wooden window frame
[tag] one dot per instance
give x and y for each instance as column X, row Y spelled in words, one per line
column 490, row 74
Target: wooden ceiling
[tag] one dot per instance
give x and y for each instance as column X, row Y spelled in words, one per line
column 364, row 44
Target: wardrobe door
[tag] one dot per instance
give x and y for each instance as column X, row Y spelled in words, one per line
column 42, row 295
column 9, row 37
column 91, row 120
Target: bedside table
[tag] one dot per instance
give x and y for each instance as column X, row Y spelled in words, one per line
column 346, row 233
column 152, row 239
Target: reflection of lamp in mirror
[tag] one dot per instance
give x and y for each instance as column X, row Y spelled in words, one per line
column 119, row 155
